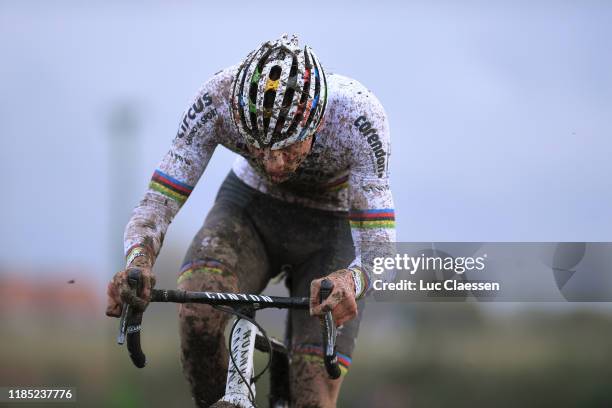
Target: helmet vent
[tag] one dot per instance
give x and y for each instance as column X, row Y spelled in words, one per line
column 275, row 72
column 303, row 98
column 268, row 103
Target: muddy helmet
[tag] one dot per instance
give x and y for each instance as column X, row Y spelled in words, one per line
column 279, row 94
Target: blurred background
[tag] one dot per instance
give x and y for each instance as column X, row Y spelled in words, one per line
column 500, row 120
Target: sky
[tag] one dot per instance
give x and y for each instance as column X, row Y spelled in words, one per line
column 499, row 113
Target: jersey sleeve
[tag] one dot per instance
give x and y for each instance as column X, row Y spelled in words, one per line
column 176, row 175
column 371, row 209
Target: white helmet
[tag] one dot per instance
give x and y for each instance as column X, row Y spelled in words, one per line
column 279, row 94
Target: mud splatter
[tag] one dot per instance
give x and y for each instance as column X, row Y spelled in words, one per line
column 204, row 353
column 310, row 385
column 339, row 150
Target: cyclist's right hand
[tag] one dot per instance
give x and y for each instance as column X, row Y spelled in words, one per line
column 119, row 292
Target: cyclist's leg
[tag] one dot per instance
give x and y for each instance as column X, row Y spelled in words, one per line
column 310, row 384
column 225, row 256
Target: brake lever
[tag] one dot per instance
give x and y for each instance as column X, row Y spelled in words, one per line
column 122, row 324
column 130, row 322
column 329, row 333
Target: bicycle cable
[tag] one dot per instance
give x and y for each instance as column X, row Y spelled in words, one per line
column 265, row 336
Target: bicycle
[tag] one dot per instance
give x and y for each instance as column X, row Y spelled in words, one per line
column 245, row 335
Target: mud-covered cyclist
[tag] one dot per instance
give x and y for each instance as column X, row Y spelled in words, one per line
column 310, row 185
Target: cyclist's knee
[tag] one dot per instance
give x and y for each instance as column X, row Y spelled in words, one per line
column 202, row 320
column 310, row 385
column 207, row 275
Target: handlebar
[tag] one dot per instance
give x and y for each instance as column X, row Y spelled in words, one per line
column 130, row 324
column 229, row 299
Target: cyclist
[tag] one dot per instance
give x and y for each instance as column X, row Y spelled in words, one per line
column 309, row 185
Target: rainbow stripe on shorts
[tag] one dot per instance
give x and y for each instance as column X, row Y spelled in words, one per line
column 201, row 266
column 314, row 353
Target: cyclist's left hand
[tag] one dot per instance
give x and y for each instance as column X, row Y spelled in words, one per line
column 341, row 301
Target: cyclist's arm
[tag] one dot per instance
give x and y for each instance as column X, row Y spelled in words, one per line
column 371, row 213
column 175, row 177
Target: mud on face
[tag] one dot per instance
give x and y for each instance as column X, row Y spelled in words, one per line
column 281, row 164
